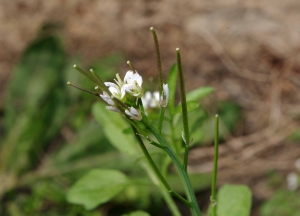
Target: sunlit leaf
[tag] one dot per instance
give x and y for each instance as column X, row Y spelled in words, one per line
column 234, row 200
column 191, row 106
column 97, row 187
column 199, row 93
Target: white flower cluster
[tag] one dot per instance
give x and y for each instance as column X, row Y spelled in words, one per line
column 130, row 87
column 150, row 100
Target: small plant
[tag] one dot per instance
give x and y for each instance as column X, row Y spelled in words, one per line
column 126, row 97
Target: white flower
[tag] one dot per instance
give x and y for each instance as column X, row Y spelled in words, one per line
column 297, row 164
column 112, row 108
column 115, row 90
column 292, row 181
column 133, row 84
column 150, row 100
column 107, row 99
column 134, row 113
column 164, row 98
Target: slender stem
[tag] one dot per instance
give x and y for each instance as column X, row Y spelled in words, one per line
column 161, row 118
column 160, row 77
column 214, row 179
column 86, row 74
column 183, row 105
column 159, row 67
column 131, row 66
column 182, row 173
column 186, row 156
column 155, row 169
column 83, row 89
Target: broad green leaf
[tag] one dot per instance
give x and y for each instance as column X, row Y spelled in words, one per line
column 198, row 93
column 113, row 126
column 191, row 106
column 137, row 213
column 97, row 187
column 172, row 81
column 234, row 200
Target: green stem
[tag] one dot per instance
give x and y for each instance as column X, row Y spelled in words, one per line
column 161, row 118
column 182, row 172
column 159, row 68
column 214, row 179
column 186, row 156
column 155, row 169
column 183, row 105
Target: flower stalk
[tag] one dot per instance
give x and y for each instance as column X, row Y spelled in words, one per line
column 214, row 179
column 184, row 109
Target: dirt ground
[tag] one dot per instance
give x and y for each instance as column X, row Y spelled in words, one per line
column 247, row 50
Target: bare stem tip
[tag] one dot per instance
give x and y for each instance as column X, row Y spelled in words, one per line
column 151, row 28
column 68, row 83
column 74, row 65
column 177, row 49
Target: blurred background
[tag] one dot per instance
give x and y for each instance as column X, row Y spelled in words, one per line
column 248, row 51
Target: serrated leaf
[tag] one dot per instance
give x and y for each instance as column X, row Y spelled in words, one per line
column 97, row 187
column 234, row 200
column 199, row 93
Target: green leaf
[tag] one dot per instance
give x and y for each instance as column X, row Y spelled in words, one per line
column 191, row 106
column 36, row 94
column 198, row 93
column 97, row 187
column 113, row 126
column 172, row 81
column 234, row 200
column 137, row 213
column 283, row 202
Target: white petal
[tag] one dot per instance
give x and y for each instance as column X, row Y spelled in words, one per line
column 110, row 84
column 156, row 95
column 107, row 98
column 128, row 77
column 136, row 77
column 111, row 108
column 134, row 113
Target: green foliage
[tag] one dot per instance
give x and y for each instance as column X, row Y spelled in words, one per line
column 114, row 125
column 97, row 187
column 234, row 200
column 282, row 203
column 137, row 213
column 199, row 93
column 35, row 104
